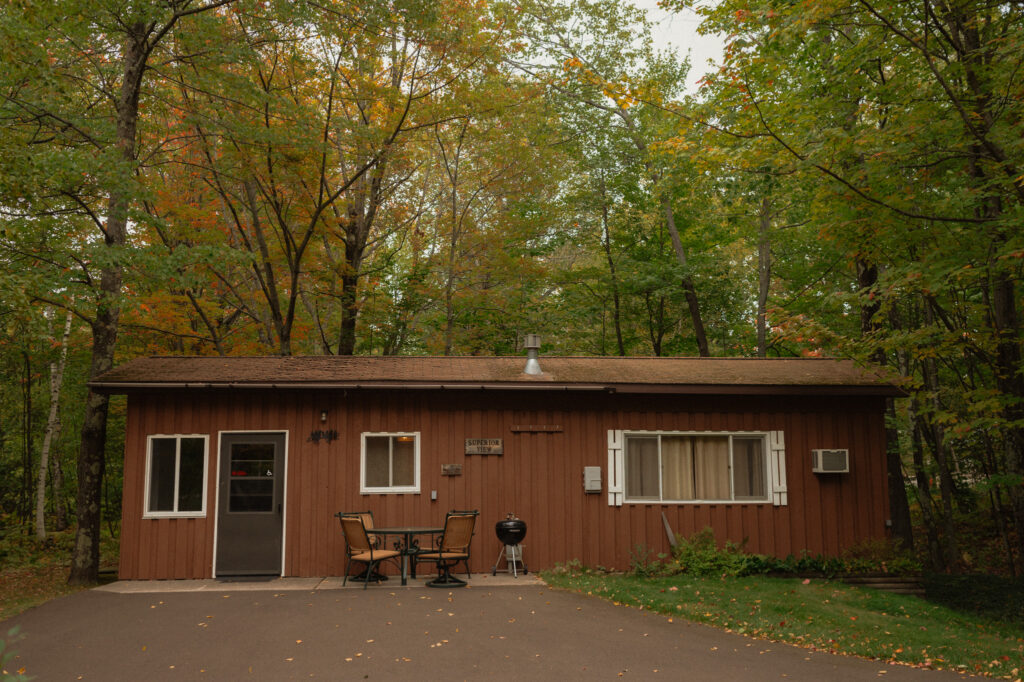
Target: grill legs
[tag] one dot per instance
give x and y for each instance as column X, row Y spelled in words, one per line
column 510, row 566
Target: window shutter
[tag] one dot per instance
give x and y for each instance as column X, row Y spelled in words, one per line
column 615, row 488
column 777, row 463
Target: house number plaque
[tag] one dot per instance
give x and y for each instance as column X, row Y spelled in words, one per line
column 484, row 446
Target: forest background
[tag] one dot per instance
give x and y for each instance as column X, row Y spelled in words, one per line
column 417, row 177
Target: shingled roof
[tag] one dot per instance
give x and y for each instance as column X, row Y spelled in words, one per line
column 628, row 375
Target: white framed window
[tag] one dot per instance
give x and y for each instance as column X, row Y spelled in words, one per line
column 696, row 467
column 390, row 463
column 176, row 472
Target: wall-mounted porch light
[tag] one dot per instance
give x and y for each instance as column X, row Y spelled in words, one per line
column 323, row 415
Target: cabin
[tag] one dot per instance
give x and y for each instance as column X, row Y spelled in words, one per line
column 237, row 465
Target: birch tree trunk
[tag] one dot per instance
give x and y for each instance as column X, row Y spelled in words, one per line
column 52, row 428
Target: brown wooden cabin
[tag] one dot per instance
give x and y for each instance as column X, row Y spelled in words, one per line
column 238, row 465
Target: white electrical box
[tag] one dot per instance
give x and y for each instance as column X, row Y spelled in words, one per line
column 830, row 461
column 591, row 479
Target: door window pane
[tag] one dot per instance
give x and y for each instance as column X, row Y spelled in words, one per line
column 251, row 495
column 252, row 477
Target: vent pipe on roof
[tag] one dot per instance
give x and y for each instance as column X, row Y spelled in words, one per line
column 532, row 345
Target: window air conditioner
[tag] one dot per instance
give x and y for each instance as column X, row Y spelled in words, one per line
column 830, row 461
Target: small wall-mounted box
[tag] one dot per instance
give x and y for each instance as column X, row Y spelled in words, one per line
column 591, row 479
column 830, row 461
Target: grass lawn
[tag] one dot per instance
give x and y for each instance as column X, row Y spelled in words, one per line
column 823, row 615
column 23, row 587
column 32, row 573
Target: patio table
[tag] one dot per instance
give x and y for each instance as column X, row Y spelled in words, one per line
column 409, row 544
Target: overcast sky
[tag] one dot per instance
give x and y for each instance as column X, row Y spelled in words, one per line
column 679, row 30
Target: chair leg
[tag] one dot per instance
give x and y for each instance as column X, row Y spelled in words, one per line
column 445, row 577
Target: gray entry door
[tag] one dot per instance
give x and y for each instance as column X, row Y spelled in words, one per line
column 250, row 518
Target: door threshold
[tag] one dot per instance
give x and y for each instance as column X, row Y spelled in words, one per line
column 246, row 578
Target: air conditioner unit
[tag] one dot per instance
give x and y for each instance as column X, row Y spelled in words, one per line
column 830, row 461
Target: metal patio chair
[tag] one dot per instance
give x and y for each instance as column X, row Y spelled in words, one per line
column 358, row 547
column 452, row 548
column 367, row 517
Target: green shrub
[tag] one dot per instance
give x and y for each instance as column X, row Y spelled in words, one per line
column 700, row 555
column 644, row 563
column 879, row 556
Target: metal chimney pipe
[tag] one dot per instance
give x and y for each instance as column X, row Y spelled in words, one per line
column 532, row 345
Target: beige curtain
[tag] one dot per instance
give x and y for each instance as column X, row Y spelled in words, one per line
column 748, row 468
column 377, row 472
column 676, row 468
column 642, row 467
column 711, row 467
column 403, row 461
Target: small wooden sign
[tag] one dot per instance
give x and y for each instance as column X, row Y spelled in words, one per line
column 451, row 469
column 537, row 428
column 484, row 446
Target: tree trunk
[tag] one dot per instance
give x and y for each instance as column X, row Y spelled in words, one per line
column 1010, row 380
column 361, row 214
column 764, row 274
column 616, row 303
column 25, row 491
column 60, row 503
column 52, row 429
column 655, row 322
column 689, row 289
column 936, row 436
column 349, row 312
column 85, row 560
column 264, row 271
column 936, row 553
column 686, row 281
column 449, row 280
column 899, row 507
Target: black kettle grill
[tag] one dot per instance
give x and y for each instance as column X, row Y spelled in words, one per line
column 511, row 532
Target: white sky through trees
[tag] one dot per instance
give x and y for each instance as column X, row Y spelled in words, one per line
column 679, row 30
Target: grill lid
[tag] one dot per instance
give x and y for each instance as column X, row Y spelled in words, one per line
column 511, row 530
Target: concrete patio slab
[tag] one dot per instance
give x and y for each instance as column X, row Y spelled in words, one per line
column 482, row 580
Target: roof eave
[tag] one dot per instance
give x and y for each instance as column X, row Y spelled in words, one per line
column 883, row 390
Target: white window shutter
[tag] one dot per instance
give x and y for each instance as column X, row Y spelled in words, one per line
column 777, row 464
column 615, row 486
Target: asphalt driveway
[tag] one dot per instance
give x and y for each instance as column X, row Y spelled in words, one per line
column 524, row 631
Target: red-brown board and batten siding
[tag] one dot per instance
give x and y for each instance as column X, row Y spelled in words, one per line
column 539, row 476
